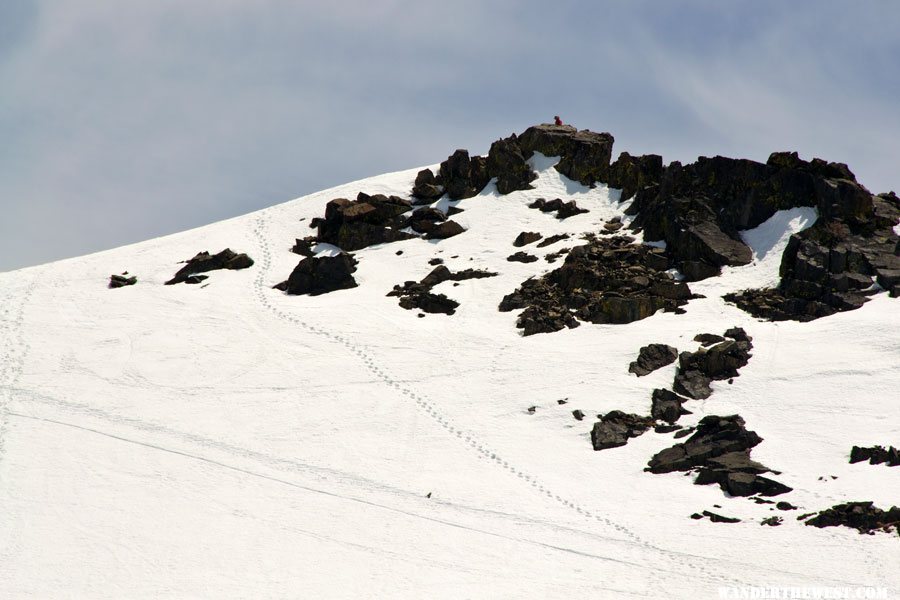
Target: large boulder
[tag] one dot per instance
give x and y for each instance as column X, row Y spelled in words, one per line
column 667, row 406
column 204, row 262
column 615, row 428
column 506, row 162
column 585, row 155
column 462, row 176
column 445, row 230
column 123, row 280
column 320, row 275
column 424, row 220
column 369, row 220
column 427, row 187
column 653, row 357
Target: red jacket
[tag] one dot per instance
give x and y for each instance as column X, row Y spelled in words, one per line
column 557, row 121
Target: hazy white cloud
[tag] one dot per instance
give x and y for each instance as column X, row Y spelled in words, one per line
column 123, row 121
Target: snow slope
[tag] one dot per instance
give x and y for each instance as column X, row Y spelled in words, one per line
column 227, row 440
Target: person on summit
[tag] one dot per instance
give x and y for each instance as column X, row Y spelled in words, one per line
column 557, row 120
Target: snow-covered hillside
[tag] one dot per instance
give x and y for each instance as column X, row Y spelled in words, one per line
column 228, row 440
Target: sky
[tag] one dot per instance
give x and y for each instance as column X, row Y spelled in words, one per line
column 124, row 121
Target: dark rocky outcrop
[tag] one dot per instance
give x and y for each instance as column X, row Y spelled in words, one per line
column 697, row 370
column 204, row 262
column 585, row 155
column 552, row 240
column 418, row 295
column 426, row 186
column 304, row 247
column 123, row 280
column 563, row 210
column 369, row 220
column 865, row 517
column 424, row 220
column 615, row 428
column 719, row 450
column 876, row 455
column 445, row 230
column 320, row 275
column 667, row 406
column 606, row 281
column 773, row 521
column 506, row 162
column 708, row 339
column 715, row 518
column 522, row 257
column 526, row 237
column 653, row 357
column 633, row 173
column 463, row 176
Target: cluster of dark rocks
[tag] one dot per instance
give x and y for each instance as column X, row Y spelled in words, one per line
column 876, row 455
column 378, row 219
column 832, row 266
column 715, row 518
column 526, row 237
column 522, row 257
column 418, row 295
column 123, row 280
column 865, row 517
column 653, row 357
column 609, row 280
column 316, row 275
column 584, row 156
column 563, row 210
column 699, row 208
column 204, row 262
column 719, row 452
column 615, row 428
column 697, row 370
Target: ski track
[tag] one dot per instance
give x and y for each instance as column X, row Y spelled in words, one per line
column 467, row 438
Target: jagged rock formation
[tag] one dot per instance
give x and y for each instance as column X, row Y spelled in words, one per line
column 615, row 428
column 719, row 450
column 552, row 240
column 667, row 406
column 865, row 517
column 369, row 220
column 606, row 281
column 876, row 455
column 418, row 295
column 651, row 358
column 117, row 281
column 203, row 262
column 304, row 247
column 831, row 266
column 585, row 154
column 697, row 370
column 563, row 210
column 320, row 275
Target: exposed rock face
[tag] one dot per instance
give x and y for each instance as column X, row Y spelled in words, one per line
column 616, row 428
column 667, row 406
column 426, row 186
column 204, row 262
column 522, row 257
column 563, row 210
column 830, row 267
column 552, row 240
column 445, row 230
column 697, row 370
column 425, row 220
column 585, row 155
column 606, row 281
column 862, row 516
column 506, row 162
column 651, row 358
column 633, row 173
column 304, row 247
column 117, row 281
column 720, row 450
column 418, row 295
column 462, row 176
column 525, row 238
column 320, row 275
column 876, row 455
column 369, row 220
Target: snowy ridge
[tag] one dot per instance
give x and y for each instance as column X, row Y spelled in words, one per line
column 228, row 440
